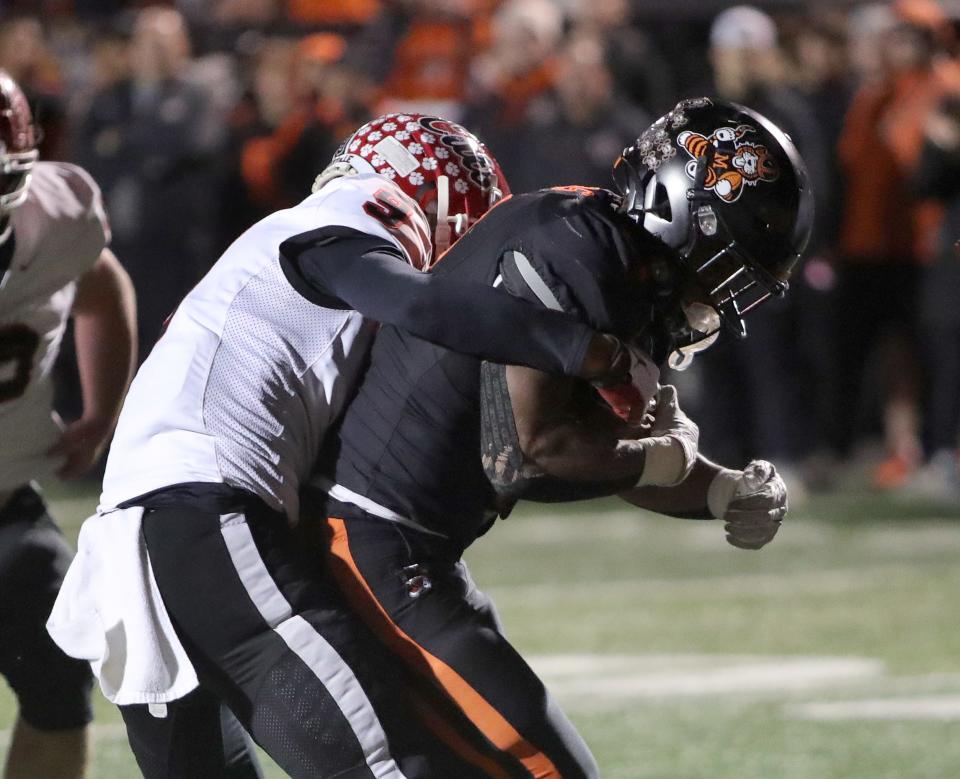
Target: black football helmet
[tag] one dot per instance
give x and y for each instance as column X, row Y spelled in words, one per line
column 727, row 191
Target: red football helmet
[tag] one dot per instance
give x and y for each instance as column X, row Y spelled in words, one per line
column 440, row 164
column 18, row 151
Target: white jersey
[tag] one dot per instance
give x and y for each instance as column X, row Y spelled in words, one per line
column 249, row 374
column 60, row 230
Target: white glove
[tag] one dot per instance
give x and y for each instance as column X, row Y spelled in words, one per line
column 670, row 451
column 752, row 503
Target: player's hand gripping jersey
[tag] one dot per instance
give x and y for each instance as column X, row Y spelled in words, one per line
column 58, row 233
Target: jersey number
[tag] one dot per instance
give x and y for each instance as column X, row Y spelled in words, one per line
column 388, row 209
column 398, row 217
column 18, row 344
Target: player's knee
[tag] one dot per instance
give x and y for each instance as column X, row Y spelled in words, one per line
column 61, row 701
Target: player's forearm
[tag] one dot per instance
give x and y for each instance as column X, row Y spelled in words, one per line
column 465, row 316
column 492, row 325
column 578, row 452
column 566, row 438
column 104, row 314
column 687, row 499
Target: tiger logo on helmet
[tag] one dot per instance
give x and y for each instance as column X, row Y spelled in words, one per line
column 735, row 162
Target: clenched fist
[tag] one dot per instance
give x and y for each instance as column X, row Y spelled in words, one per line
column 751, row 502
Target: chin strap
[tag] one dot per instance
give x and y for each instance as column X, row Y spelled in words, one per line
column 444, row 235
column 701, row 318
column 680, row 358
column 21, row 162
column 441, row 236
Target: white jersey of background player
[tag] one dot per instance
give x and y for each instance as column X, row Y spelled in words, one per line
column 59, row 231
column 53, row 266
column 256, row 362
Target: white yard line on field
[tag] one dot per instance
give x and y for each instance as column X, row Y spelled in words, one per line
column 635, row 526
column 750, row 584
column 613, row 677
column 928, row 707
column 933, row 536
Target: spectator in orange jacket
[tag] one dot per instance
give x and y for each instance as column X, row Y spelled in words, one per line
column 886, row 232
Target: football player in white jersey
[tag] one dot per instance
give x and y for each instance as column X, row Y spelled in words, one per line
column 53, row 265
column 222, row 425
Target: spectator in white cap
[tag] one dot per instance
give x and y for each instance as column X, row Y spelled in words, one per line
column 748, row 69
column 743, row 47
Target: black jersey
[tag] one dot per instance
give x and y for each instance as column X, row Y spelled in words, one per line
column 410, row 439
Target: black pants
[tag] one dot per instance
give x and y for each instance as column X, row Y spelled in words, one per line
column 416, row 594
column 274, row 641
column 198, row 737
column 53, row 690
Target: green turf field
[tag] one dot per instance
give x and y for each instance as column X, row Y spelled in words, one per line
column 833, row 654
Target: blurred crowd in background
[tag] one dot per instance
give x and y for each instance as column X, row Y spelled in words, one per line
column 198, row 117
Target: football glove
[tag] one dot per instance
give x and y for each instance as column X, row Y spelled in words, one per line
column 752, row 503
column 671, row 448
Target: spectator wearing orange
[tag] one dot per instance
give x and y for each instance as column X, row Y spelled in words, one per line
column 278, row 168
column 331, row 13
column 430, row 63
column 512, row 79
column 521, row 62
column 265, row 101
column 578, row 127
column 886, row 232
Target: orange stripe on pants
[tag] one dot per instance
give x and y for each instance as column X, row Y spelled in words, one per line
column 488, row 720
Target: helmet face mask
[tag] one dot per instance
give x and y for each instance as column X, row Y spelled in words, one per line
column 18, row 152
column 15, row 170
column 442, row 166
column 727, row 192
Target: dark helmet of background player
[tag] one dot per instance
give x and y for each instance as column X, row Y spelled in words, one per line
column 18, row 151
column 727, row 191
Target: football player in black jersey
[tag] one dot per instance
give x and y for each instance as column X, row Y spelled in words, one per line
column 712, row 214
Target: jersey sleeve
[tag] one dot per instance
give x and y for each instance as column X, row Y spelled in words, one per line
column 573, row 253
column 345, row 268
column 90, row 229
